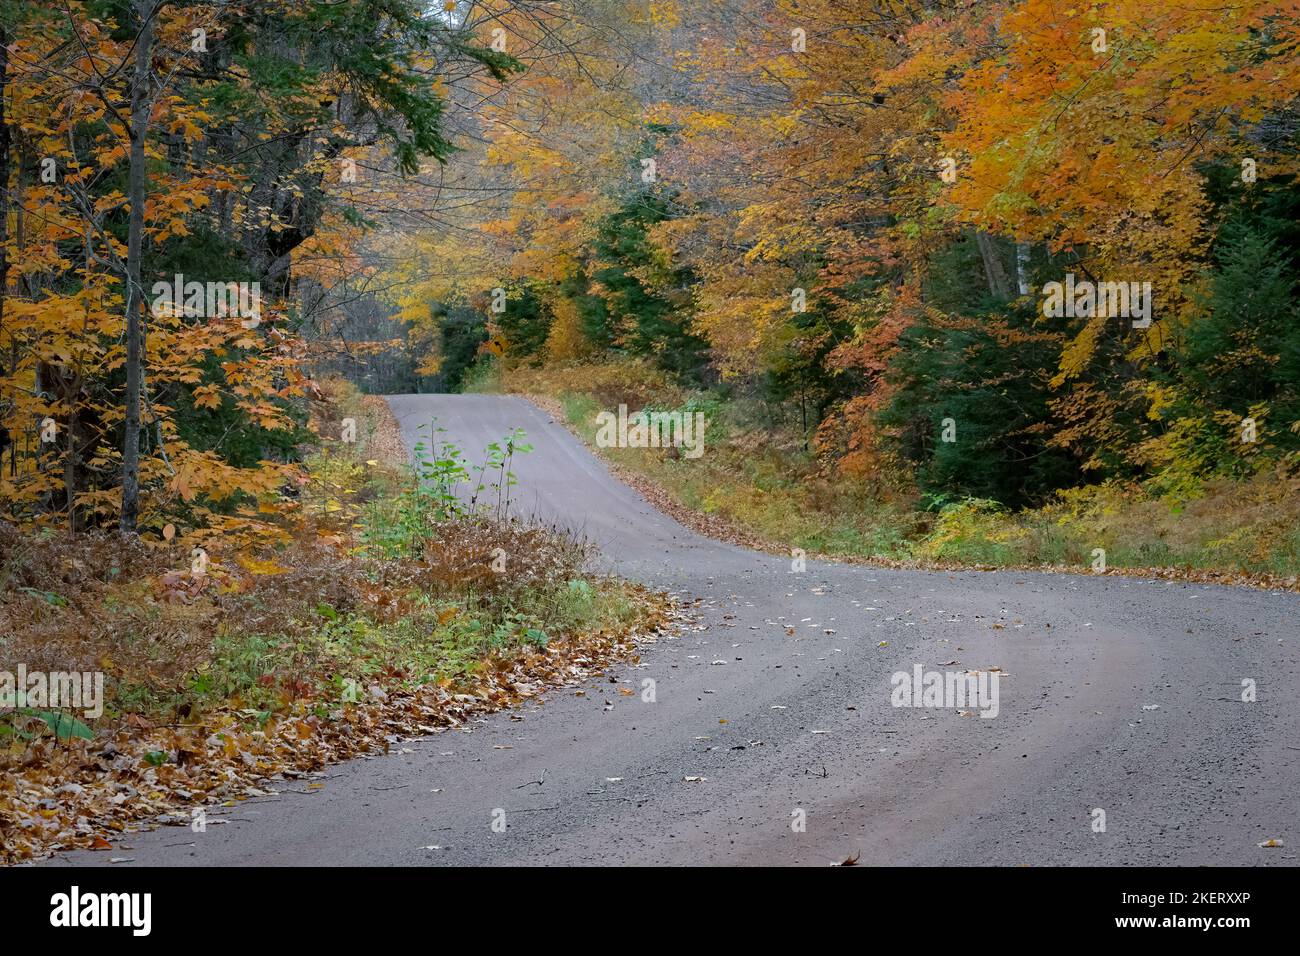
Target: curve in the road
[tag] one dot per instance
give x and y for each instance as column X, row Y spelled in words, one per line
column 1120, row 695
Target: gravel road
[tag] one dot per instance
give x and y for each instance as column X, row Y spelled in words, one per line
column 772, row 738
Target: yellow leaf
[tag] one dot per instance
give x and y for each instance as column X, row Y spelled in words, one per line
column 260, row 567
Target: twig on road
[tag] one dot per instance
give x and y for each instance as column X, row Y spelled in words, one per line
column 541, row 781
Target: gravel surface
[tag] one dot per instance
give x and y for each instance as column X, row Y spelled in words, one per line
column 1118, row 694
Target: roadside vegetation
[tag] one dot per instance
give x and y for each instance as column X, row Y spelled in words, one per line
column 386, row 608
column 767, row 486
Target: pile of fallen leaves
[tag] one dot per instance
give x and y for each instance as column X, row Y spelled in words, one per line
column 85, row 793
column 386, row 443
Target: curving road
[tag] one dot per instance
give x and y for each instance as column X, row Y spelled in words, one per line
column 1116, row 694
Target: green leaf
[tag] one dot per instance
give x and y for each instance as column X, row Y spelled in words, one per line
column 201, row 684
column 65, row 726
column 48, row 596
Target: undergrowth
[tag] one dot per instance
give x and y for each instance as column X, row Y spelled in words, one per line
column 764, row 479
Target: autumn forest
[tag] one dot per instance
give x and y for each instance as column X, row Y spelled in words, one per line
column 952, row 284
column 844, row 212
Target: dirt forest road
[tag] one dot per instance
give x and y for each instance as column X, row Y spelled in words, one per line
column 1117, row 694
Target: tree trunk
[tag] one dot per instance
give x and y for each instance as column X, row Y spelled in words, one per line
column 141, row 102
column 999, row 285
column 1022, row 267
